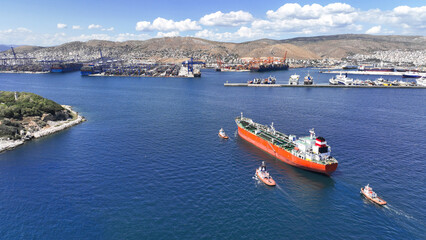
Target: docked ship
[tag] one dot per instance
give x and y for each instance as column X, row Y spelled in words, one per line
column 294, row 79
column 65, row 67
column 341, row 79
column 376, row 69
column 411, row 75
column 269, row 67
column 310, row 153
column 309, row 80
column 90, row 69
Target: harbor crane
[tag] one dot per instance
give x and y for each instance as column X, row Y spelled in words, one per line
column 190, row 64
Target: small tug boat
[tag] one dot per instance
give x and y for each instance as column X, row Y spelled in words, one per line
column 264, row 176
column 368, row 192
column 222, row 134
column 309, row 80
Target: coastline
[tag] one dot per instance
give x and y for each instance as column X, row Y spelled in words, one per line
column 54, row 127
column 25, row 72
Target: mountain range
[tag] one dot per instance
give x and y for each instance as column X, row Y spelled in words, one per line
column 172, row 49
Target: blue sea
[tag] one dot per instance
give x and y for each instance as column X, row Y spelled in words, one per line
column 148, row 163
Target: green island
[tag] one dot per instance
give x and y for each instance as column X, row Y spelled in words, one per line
column 24, row 116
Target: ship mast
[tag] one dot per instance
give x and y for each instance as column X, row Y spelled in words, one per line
column 312, row 132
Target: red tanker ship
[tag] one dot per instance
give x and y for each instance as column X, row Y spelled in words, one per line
column 310, row 153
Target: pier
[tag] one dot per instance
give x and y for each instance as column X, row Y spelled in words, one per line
column 316, row 86
column 366, row 73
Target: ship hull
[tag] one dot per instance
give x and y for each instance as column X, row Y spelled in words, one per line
column 56, row 70
column 285, row 156
column 379, row 69
column 269, row 68
column 269, row 182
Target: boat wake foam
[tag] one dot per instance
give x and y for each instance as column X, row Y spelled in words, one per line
column 398, row 212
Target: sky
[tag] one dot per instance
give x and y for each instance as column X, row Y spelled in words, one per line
column 48, row 23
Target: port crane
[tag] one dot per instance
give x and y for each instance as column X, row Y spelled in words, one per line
column 15, row 60
column 190, row 64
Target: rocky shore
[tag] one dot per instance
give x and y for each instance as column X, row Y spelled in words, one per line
column 51, row 128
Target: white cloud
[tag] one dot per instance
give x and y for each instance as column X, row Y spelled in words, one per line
column 108, row 29
column 374, row 30
column 289, row 20
column 314, row 11
column 168, row 34
column 226, row 19
column 308, row 19
column 165, row 25
column 94, row 26
column 131, row 36
column 23, row 36
column 143, row 25
column 243, row 34
column 61, row 25
column 402, row 19
column 414, row 17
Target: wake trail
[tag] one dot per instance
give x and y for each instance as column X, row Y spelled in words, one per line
column 398, row 212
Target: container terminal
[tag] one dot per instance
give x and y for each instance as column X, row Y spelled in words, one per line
column 111, row 67
column 102, row 66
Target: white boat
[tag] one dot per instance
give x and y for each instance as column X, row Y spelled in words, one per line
column 341, row 79
column 309, row 80
column 294, row 79
column 358, row 82
column 270, row 80
column 382, row 82
column 421, row 82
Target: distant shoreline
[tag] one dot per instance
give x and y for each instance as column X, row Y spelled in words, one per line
column 58, row 126
column 25, row 72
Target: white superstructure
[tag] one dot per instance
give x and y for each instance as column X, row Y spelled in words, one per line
column 294, row 79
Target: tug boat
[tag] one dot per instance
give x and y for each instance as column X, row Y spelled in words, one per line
column 309, row 80
column 222, row 134
column 368, row 192
column 310, row 153
column 264, row 176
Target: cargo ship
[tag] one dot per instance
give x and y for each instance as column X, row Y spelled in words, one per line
column 269, row 67
column 376, row 69
column 65, row 67
column 310, row 153
column 90, row 69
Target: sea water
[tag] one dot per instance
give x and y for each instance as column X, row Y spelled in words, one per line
column 148, row 163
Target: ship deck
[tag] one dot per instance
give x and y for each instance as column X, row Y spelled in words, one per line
column 278, row 139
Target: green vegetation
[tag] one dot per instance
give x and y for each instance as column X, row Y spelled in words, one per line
column 23, row 112
column 26, row 105
column 10, row 129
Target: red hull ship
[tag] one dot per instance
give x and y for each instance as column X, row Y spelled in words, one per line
column 310, row 153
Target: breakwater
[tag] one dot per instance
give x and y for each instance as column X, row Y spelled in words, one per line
column 314, row 86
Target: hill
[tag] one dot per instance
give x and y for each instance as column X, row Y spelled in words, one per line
column 24, row 111
column 175, row 49
column 339, row 46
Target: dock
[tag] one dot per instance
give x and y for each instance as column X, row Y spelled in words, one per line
column 316, row 86
column 366, row 73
